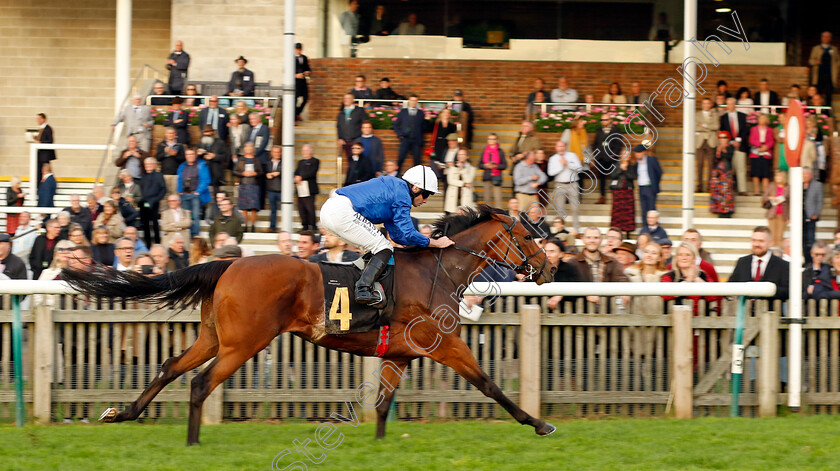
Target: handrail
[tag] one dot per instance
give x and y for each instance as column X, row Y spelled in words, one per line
column 30, row 209
column 361, row 101
column 264, row 99
column 774, row 107
column 588, row 106
column 752, row 288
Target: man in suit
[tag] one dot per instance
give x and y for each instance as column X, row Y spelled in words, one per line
column 302, row 73
column 259, row 135
column 637, row 96
column 216, row 117
column 526, row 142
column 170, row 154
column 274, row 185
column 159, row 89
column 138, row 122
column 735, row 123
column 766, row 97
column 179, row 120
column 814, row 198
column 241, row 80
column 47, row 188
column 336, row 251
column 45, row 136
column 707, row 123
column 348, row 123
column 825, row 66
column 373, row 149
column 43, row 249
column 648, row 176
column 358, row 167
column 306, row 173
column 175, row 219
column 409, row 128
column 763, row 265
column 214, row 152
column 606, row 149
column 178, row 62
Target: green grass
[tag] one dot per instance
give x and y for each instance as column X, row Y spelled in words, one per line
column 785, row 443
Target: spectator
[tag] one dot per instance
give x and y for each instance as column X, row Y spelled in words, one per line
column 380, row 25
column 63, row 218
column 306, row 182
column 102, row 249
column 178, row 256
column 527, row 177
column 425, row 229
column 816, row 146
column 215, row 117
column 623, row 214
column 762, row 265
column 648, row 176
column 513, row 208
column 284, row 243
column 144, row 264
column 336, row 251
column 814, row 200
column 761, row 153
column 373, row 149
column 721, row 182
column 408, row 125
column 565, row 272
column 661, row 30
column 708, row 124
column 385, row 91
column 241, row 81
column 14, row 197
column 129, row 189
column 350, row 19
column 735, row 123
column 47, row 188
column 259, row 135
column 112, row 220
column 99, row 195
column 228, row 252
column 720, row 105
column 614, row 95
column 692, row 236
column 641, row 242
column 525, row 142
column 766, row 97
column 390, row 168
column 605, row 151
column 575, row 137
column 532, row 110
column 447, row 158
column 359, row 168
column 220, row 239
column 239, row 131
column 274, row 185
column 723, row 89
column 349, row 123
column 227, row 221
column 247, row 170
column 649, row 270
column 153, row 187
column 687, row 270
column 534, row 221
column 559, row 232
column 190, row 92
column 44, row 136
column 745, row 100
column 795, row 93
column 492, row 162
column 308, row 244
column 60, row 259
column 444, row 129
column 123, row 254
column 159, row 89
column 302, row 74
column 130, row 215
column 613, row 239
column 825, row 66
column 361, row 91
column 81, row 258
column 666, row 251
column 170, row 154
column 563, row 94
column 42, row 250
column 465, row 116
column 411, row 26
column 564, row 167
column 460, row 178
column 175, row 219
column 637, row 96
column 776, row 200
column 178, row 63
column 212, row 149
column 131, row 159
column 13, row 266
column 179, row 120
column 200, row 251
column 194, row 186
column 539, row 86
column 816, row 270
column 138, row 122
column 76, row 235
column 131, row 233
column 593, row 266
column 652, row 227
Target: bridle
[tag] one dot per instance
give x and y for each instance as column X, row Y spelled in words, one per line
column 523, row 266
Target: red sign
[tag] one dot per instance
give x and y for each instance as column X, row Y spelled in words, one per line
column 794, row 133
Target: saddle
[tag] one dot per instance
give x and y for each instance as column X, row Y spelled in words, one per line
column 342, row 314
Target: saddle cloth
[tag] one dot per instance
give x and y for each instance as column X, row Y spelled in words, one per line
column 342, row 315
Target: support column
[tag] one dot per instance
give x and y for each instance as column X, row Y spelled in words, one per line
column 689, row 109
column 529, row 360
column 122, row 64
column 795, row 304
column 288, row 121
column 683, row 363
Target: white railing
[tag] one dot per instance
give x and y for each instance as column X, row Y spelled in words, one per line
column 33, row 158
column 753, row 288
column 266, row 100
column 403, row 103
column 544, row 106
column 775, row 109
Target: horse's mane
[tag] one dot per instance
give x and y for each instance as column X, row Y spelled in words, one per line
column 454, row 223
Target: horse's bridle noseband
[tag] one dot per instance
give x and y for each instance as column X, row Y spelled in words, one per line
column 524, row 266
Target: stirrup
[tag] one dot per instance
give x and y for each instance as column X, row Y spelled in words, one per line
column 371, row 296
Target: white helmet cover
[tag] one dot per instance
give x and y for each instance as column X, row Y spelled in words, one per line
column 423, row 177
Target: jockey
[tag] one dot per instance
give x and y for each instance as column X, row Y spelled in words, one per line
column 351, row 212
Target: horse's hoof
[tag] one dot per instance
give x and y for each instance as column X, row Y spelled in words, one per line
column 546, row 429
column 108, row 416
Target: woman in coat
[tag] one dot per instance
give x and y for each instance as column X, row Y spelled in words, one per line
column 776, row 201
column 460, row 177
column 14, row 197
column 762, row 144
column 112, row 220
column 492, row 162
column 623, row 214
column 721, row 183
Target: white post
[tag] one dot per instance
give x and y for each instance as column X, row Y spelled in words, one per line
column 32, row 197
column 795, row 304
column 122, row 65
column 288, row 121
column 689, row 107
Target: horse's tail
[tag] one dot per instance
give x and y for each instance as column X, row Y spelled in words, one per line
column 176, row 290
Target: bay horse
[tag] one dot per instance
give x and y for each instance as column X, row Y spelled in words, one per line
column 247, row 302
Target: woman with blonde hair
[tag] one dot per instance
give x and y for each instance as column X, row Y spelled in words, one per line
column 576, row 138
column 776, row 201
column 686, row 269
column 200, row 251
column 14, row 197
column 649, row 269
column 112, row 220
column 102, row 248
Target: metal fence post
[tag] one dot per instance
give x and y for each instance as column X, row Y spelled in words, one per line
column 683, row 363
column 529, row 359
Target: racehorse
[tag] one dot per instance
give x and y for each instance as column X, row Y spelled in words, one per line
column 247, row 302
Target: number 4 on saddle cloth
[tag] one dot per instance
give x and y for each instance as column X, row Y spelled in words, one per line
column 342, row 315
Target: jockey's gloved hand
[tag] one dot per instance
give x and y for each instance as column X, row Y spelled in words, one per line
column 441, row 242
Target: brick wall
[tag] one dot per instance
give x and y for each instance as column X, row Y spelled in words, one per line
column 497, row 89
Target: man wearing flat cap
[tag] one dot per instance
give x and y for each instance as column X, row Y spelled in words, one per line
column 11, row 265
column 179, row 119
column 242, row 80
column 626, row 254
column 227, row 252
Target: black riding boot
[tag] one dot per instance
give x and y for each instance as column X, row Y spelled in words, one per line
column 364, row 287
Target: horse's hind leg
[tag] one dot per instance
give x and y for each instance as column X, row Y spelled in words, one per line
column 204, row 348
column 391, row 374
column 455, row 354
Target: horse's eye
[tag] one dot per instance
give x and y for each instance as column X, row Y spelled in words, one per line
column 527, row 237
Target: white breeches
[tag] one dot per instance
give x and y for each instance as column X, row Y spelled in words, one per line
column 339, row 217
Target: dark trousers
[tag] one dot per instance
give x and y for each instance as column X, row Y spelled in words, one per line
column 302, row 92
column 809, row 232
column 406, row 146
column 647, row 199
column 217, row 175
column 149, row 219
column 273, row 203
column 306, row 210
column 825, row 87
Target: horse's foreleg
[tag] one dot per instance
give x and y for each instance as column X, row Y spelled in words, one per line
column 388, row 383
column 458, row 356
column 204, row 348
